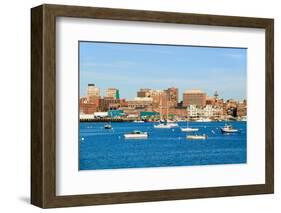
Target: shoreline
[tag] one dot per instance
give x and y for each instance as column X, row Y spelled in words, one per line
column 133, row 121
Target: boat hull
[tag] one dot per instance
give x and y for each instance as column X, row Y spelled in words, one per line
column 229, row 131
column 162, row 126
column 133, row 136
column 189, row 129
column 196, row 137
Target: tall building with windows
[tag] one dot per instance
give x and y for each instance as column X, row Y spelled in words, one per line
column 112, row 93
column 144, row 93
column 172, row 96
column 92, row 90
column 194, row 97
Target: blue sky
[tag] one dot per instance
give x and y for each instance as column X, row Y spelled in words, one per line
column 129, row 67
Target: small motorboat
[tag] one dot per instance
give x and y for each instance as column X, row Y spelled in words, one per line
column 188, row 129
column 136, row 135
column 229, row 129
column 197, row 137
column 163, row 126
column 107, row 126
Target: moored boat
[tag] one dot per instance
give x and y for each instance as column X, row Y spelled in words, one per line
column 188, row 129
column 229, row 129
column 163, row 126
column 136, row 135
column 173, row 124
column 107, row 126
column 197, row 137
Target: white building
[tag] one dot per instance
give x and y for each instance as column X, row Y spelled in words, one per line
column 86, row 116
column 207, row 111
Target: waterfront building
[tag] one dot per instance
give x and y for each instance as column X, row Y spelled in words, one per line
column 88, row 106
column 130, row 113
column 107, row 103
column 194, row 97
column 210, row 100
column 208, row 111
column 100, row 114
column 86, row 116
column 230, row 107
column 211, row 111
column 242, row 108
column 193, row 111
column 172, row 96
column 144, row 99
column 143, row 103
column 92, row 90
column 178, row 112
column 156, row 95
column 113, row 93
column 123, row 102
column 148, row 115
column 116, row 113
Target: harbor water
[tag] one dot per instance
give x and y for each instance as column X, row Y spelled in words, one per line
column 101, row 148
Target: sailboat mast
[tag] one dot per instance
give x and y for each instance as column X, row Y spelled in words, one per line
column 160, row 108
column 186, row 117
column 167, row 109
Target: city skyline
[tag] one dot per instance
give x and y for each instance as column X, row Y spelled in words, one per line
column 104, row 93
column 129, row 67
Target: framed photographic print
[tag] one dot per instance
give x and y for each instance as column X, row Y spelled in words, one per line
column 136, row 106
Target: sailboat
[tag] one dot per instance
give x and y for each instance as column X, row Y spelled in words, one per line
column 189, row 129
column 165, row 125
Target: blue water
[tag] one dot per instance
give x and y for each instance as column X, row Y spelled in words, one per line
column 101, row 148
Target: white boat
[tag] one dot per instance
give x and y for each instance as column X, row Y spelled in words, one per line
column 172, row 124
column 188, row 129
column 196, row 137
column 229, row 129
column 163, row 126
column 168, row 124
column 136, row 135
column 107, row 126
column 136, row 121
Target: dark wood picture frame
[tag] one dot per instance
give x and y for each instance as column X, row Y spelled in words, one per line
column 43, row 105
